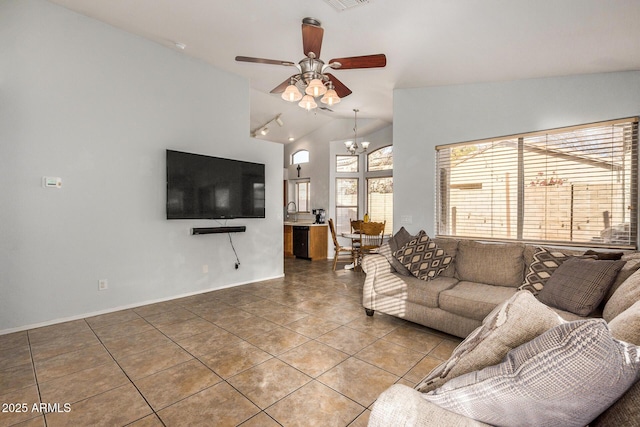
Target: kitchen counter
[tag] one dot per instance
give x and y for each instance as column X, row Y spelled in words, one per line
column 317, row 243
column 304, row 224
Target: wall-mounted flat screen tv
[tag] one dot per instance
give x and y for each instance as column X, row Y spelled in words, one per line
column 205, row 187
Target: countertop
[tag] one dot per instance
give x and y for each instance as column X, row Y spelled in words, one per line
column 303, row 223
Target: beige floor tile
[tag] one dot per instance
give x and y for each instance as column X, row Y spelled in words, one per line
column 347, row 340
column 315, row 405
column 156, row 359
column 250, row 326
column 221, row 316
column 422, row 369
column 65, row 344
column 17, row 377
column 312, row 326
column 53, row 332
column 176, row 383
column 14, row 356
column 187, row 328
column 208, row 342
column 167, row 317
column 313, row 358
column 444, row 349
column 16, row 339
column 133, row 344
column 358, row 380
column 157, row 308
column 123, row 329
column 116, row 407
column 83, row 384
column 278, row 340
column 234, row 358
column 377, row 325
column 391, row 357
column 413, row 338
column 112, row 318
column 68, row 363
column 33, row 422
column 148, row 421
column 260, row 420
column 219, row 405
column 28, row 396
column 268, row 382
column 362, row 420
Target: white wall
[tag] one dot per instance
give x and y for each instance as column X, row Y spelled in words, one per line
column 98, row 107
column 426, row 117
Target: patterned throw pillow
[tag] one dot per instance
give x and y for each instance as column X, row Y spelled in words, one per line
column 565, row 377
column 422, row 257
column 579, row 285
column 516, row 321
column 545, row 262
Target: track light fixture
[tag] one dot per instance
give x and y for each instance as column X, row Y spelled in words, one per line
column 264, row 129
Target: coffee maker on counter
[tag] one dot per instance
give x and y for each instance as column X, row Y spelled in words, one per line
column 320, row 215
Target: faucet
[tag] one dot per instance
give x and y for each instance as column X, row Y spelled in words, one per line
column 295, row 211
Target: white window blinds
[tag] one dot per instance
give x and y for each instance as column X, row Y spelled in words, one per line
column 574, row 186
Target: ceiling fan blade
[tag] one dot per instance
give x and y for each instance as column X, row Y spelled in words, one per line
column 263, row 61
column 366, row 61
column 312, row 39
column 340, row 88
column 282, row 86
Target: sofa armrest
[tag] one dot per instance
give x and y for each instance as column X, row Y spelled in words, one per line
column 375, row 263
column 402, row 406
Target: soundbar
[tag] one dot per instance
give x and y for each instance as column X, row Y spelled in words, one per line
column 214, row 230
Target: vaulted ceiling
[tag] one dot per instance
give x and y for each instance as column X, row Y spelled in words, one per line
column 427, row 43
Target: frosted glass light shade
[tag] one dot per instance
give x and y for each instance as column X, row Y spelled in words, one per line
column 315, row 88
column 330, row 98
column 308, row 103
column 291, row 94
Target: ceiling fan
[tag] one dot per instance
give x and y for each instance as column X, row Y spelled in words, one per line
column 312, row 76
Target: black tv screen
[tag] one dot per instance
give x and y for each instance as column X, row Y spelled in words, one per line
column 205, row 187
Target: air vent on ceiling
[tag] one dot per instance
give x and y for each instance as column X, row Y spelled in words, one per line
column 341, row 5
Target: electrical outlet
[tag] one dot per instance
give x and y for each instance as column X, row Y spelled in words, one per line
column 103, row 285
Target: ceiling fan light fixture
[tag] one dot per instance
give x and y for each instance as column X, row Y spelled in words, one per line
column 330, row 98
column 308, row 103
column 315, row 88
column 292, row 94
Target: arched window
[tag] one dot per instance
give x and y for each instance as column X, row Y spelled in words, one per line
column 300, row 156
column 381, row 159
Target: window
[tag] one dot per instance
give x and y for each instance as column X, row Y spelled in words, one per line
column 574, row 185
column 300, row 156
column 302, row 192
column 347, row 163
column 380, row 186
column 346, row 203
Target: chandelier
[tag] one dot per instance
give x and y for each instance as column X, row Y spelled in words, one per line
column 314, row 83
column 352, row 146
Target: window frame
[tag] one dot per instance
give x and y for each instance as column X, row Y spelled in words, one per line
column 560, row 146
column 378, row 174
column 340, row 227
column 296, row 195
column 293, row 157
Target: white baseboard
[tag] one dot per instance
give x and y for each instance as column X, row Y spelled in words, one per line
column 128, row 306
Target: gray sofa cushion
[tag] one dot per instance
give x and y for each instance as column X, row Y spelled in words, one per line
column 623, row 413
column 516, row 321
column 493, row 264
column 474, row 300
column 579, row 285
column 450, row 246
column 550, row 380
column 626, row 325
column 626, row 294
column 412, row 289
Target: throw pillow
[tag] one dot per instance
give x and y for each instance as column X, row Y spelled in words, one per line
column 579, row 285
column 545, row 262
column 401, row 238
column 516, row 321
column 626, row 325
column 623, row 298
column 565, row 377
column 422, row 257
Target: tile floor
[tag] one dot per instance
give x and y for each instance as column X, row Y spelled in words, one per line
column 297, row 351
